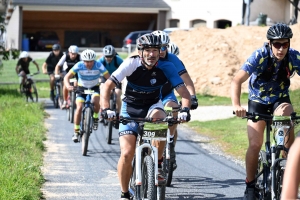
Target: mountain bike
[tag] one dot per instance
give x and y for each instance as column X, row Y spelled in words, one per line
column 58, row 98
column 71, row 103
column 86, row 123
column 28, row 89
column 167, row 162
column 271, row 164
column 110, row 124
column 144, row 179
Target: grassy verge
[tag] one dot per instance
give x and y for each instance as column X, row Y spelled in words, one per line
column 231, row 134
column 21, row 147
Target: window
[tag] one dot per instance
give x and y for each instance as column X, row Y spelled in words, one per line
column 174, row 23
column 198, row 23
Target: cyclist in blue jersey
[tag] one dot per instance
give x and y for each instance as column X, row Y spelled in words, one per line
column 88, row 71
column 145, row 75
column 66, row 62
column 270, row 69
column 111, row 61
column 167, row 95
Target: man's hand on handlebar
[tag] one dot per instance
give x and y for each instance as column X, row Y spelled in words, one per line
column 108, row 114
column 184, row 115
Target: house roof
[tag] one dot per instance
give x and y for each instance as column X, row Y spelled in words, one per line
column 159, row 4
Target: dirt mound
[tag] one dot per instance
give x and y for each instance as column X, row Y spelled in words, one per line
column 213, row 56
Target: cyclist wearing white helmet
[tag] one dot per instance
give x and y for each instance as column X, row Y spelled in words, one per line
column 168, row 96
column 89, row 72
column 111, row 61
column 173, row 48
column 49, row 66
column 22, row 67
column 145, row 75
column 66, row 62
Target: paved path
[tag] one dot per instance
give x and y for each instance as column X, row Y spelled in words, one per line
column 206, row 113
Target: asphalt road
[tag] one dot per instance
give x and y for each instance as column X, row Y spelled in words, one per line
column 202, row 173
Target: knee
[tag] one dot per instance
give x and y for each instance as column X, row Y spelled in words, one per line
column 284, row 109
column 255, row 146
column 127, row 155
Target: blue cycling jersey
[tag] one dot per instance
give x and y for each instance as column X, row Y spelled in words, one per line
column 267, row 92
column 88, row 77
column 111, row 67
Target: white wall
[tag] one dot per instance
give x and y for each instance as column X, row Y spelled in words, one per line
column 213, row 10
column 13, row 30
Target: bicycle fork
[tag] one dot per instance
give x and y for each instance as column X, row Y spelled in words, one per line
column 138, row 164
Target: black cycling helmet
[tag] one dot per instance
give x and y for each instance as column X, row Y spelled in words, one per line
column 109, row 50
column 56, row 47
column 148, row 40
column 279, row 31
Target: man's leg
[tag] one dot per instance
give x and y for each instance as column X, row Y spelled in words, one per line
column 118, row 94
column 52, row 79
column 96, row 100
column 127, row 145
column 77, row 118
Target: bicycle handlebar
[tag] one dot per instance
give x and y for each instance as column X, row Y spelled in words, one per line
column 257, row 116
column 169, row 120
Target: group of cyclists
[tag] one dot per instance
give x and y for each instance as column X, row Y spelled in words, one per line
column 152, row 76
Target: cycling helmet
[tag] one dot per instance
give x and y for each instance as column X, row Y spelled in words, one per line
column 56, row 47
column 279, row 31
column 173, row 48
column 148, row 40
column 24, row 54
column 109, row 50
column 73, row 49
column 88, row 55
column 163, row 37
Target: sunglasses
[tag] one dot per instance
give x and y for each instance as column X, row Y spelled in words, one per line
column 278, row 45
column 163, row 48
column 108, row 56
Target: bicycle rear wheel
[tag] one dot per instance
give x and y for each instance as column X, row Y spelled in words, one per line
column 132, row 189
column 279, row 178
column 110, row 123
column 262, row 177
column 87, row 122
column 32, row 93
column 148, row 182
column 72, row 106
column 167, row 169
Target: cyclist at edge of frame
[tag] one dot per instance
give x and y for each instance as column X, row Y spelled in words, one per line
column 168, row 96
column 49, row 66
column 89, row 72
column 111, row 61
column 270, row 69
column 146, row 74
column 22, row 67
column 66, row 62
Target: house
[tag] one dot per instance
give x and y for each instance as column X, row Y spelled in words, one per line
column 95, row 23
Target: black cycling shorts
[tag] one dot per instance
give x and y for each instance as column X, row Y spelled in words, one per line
column 266, row 109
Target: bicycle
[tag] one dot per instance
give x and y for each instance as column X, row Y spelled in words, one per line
column 86, row 123
column 107, row 123
column 71, row 103
column 144, row 179
column 29, row 88
column 271, row 166
column 58, row 99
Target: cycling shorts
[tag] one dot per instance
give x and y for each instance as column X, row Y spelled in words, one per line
column 81, row 97
column 266, row 109
column 50, row 70
column 132, row 128
column 169, row 97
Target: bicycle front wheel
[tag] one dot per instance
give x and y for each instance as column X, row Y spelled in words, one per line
column 87, row 122
column 72, row 106
column 110, row 125
column 33, row 93
column 167, row 169
column 148, row 181
column 279, row 178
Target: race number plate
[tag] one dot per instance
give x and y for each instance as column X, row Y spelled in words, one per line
column 89, row 91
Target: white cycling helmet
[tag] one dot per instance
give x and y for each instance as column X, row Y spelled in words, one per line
column 24, row 54
column 163, row 37
column 88, row 55
column 173, row 48
column 73, row 49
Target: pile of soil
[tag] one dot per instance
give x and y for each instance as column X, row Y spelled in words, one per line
column 213, row 56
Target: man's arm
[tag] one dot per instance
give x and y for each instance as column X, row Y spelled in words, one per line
column 185, row 96
column 188, row 83
column 236, row 87
column 67, row 78
column 37, row 65
column 17, row 69
column 105, row 93
column 44, row 67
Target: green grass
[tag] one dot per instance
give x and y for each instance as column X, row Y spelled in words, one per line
column 21, row 146
column 209, row 100
column 231, row 134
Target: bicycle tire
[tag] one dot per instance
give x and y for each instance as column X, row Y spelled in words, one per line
column 262, row 193
column 87, row 121
column 34, row 92
column 167, row 169
column 72, row 106
column 132, row 189
column 148, row 183
column 161, row 192
column 110, row 124
column 279, row 178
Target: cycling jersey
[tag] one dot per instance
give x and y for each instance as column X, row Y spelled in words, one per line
column 267, row 92
column 113, row 65
column 144, row 85
column 24, row 65
column 88, row 77
column 167, row 88
column 52, row 61
column 69, row 62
